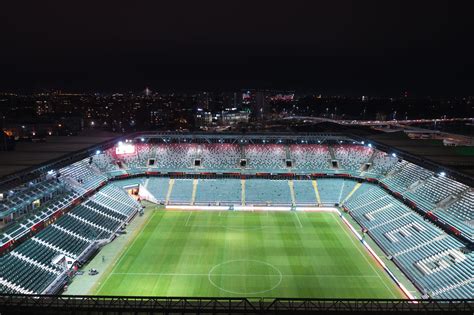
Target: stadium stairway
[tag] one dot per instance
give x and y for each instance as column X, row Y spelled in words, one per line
column 170, row 190
column 287, row 152
column 372, row 157
column 331, row 152
column 193, row 196
column 346, row 188
column 330, row 190
column 292, row 192
column 316, row 191
column 351, row 193
column 242, row 151
column 242, row 185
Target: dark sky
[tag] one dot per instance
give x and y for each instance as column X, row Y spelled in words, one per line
column 376, row 47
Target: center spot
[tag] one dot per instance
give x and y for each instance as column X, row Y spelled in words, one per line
column 245, row 277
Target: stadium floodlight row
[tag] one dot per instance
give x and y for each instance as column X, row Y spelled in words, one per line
column 417, row 214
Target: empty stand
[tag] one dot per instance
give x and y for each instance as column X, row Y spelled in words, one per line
column 225, row 191
column 265, row 157
column 310, row 157
column 425, row 253
column 262, row 191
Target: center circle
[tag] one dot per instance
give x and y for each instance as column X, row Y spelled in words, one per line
column 245, row 277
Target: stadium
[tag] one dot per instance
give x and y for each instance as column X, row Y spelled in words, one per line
column 238, row 218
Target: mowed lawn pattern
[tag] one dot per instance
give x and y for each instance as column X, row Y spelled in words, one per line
column 251, row 254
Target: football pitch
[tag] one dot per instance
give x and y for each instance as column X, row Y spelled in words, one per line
column 247, row 254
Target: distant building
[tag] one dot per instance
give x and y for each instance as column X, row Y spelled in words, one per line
column 260, row 105
column 203, row 118
column 234, row 116
column 7, row 143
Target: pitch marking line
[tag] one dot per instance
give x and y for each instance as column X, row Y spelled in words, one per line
column 238, row 228
column 299, row 221
column 117, row 262
column 189, row 217
column 157, row 274
column 368, row 262
column 279, row 275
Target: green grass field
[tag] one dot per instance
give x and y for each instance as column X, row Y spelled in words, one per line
column 251, row 254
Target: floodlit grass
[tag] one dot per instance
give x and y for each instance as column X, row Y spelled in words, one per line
column 251, row 254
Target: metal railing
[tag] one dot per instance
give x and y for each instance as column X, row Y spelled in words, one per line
column 204, row 305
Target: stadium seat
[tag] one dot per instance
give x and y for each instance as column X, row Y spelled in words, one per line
column 412, row 242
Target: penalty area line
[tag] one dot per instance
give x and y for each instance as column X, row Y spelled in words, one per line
column 299, row 221
column 189, row 217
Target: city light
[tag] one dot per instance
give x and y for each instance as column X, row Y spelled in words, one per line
column 288, row 223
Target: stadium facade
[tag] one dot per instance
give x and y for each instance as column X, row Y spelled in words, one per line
column 61, row 213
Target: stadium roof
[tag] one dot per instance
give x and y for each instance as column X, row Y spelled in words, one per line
column 29, row 154
column 457, row 158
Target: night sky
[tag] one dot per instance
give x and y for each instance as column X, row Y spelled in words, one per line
column 352, row 47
